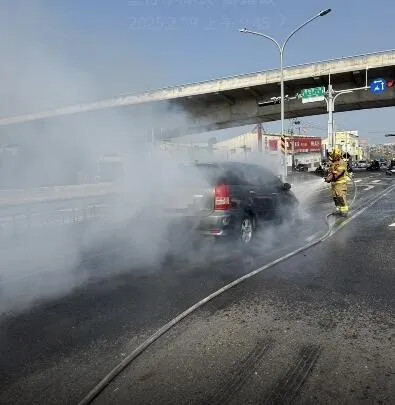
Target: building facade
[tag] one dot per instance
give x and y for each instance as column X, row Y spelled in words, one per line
column 349, row 143
column 252, row 147
column 305, row 150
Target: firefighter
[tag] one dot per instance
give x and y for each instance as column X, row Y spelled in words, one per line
column 338, row 178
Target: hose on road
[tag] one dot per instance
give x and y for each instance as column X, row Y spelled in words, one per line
column 97, row 389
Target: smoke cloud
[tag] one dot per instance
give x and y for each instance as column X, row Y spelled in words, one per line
column 52, row 235
column 80, row 196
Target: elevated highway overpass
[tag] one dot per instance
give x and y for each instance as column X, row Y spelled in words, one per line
column 232, row 101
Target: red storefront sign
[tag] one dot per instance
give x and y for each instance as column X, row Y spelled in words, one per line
column 304, row 145
column 300, row 145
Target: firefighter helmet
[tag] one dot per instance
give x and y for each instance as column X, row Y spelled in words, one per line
column 335, row 154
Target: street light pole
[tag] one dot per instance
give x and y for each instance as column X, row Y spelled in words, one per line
column 281, row 48
column 330, row 105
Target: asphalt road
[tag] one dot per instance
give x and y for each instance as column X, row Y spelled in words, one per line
column 317, row 328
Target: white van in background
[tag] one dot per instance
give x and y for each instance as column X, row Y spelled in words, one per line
column 362, row 164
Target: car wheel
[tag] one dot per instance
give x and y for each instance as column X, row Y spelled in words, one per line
column 246, row 230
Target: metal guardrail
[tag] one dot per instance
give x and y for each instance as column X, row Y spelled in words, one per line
column 22, row 222
column 273, row 70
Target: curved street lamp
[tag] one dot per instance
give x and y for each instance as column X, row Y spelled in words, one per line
column 281, row 48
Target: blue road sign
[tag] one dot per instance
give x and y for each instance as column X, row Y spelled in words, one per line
column 378, row 86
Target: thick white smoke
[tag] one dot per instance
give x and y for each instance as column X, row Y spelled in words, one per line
column 48, row 249
column 43, row 255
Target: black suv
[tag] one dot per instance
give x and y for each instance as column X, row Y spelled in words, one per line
column 231, row 199
column 374, row 166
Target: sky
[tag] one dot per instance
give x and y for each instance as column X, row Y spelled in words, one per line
column 126, row 46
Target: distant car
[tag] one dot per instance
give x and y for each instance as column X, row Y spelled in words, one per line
column 228, row 200
column 390, row 171
column 362, row 164
column 374, row 166
column 301, row 168
column 355, row 166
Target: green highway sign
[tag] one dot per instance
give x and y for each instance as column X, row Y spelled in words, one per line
column 313, row 94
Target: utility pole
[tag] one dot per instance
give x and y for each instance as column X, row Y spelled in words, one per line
column 330, row 108
column 330, row 98
column 259, row 138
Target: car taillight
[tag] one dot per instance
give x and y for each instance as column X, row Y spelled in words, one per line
column 221, row 198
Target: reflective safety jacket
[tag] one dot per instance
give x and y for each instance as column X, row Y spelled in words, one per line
column 338, row 170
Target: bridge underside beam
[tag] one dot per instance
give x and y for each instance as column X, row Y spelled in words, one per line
column 223, row 115
column 254, row 92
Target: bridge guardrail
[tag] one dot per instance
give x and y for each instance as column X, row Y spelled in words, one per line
column 47, row 194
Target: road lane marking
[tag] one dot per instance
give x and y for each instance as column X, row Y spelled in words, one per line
column 368, row 188
column 357, row 181
column 392, row 224
column 372, row 184
column 376, row 181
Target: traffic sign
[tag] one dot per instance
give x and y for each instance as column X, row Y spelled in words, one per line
column 313, row 94
column 378, row 86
